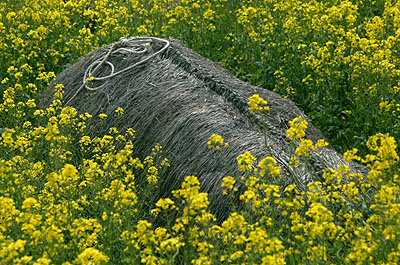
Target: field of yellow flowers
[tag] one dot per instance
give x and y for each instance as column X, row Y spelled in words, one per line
column 69, row 198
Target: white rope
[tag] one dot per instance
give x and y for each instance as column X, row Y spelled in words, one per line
column 133, row 45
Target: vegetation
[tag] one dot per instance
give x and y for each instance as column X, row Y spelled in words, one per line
column 68, row 198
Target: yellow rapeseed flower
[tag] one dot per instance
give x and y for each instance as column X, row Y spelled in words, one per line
column 30, row 203
column 351, row 155
column 216, row 141
column 297, row 128
column 245, row 161
column 91, row 256
column 228, row 182
column 165, row 204
column 304, row 148
column 255, row 102
column 119, row 111
column 102, row 116
column 69, row 171
column 269, row 163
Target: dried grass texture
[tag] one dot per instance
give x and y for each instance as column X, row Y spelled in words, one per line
column 178, row 99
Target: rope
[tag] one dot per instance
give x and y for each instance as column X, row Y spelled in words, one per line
column 133, row 45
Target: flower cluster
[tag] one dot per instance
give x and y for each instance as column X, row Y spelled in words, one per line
column 216, row 141
column 297, row 128
column 256, row 102
column 54, row 201
column 245, row 161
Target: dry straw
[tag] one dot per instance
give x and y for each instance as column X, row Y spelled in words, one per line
column 175, row 97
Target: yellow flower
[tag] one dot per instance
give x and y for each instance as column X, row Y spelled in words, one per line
column 384, row 106
column 113, row 130
column 245, row 161
column 11, row 250
column 320, row 144
column 171, row 244
column 143, row 226
column 27, row 124
column 165, row 163
column 255, row 103
column 69, row 171
column 319, row 213
column 209, row 14
column 18, row 75
column 142, row 29
column 119, row 111
column 102, row 116
column 297, row 127
column 30, row 203
column 152, row 175
column 305, row 146
column 10, row 69
column 91, row 256
column 216, row 141
column 351, row 155
column 268, row 163
column 294, row 161
column 228, row 182
column 165, row 204
column 385, row 145
column 31, row 103
column 8, row 213
column 238, row 254
column 4, row 80
column 89, row 79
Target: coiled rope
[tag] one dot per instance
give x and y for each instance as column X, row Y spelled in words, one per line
column 133, row 45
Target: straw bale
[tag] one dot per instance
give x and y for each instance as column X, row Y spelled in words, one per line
column 178, row 99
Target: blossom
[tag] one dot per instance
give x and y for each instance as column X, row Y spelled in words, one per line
column 245, row 161
column 216, row 141
column 30, row 203
column 305, row 146
column 269, row 163
column 255, row 102
column 102, row 116
column 91, row 256
column 119, row 111
column 297, row 128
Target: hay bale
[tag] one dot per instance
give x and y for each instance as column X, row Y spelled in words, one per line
column 173, row 96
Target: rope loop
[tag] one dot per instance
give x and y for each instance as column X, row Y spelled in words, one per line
column 137, row 46
column 133, row 45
